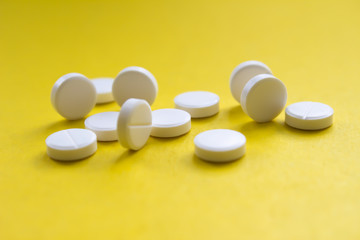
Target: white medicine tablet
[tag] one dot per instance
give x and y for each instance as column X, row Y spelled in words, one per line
column 103, row 88
column 103, row 125
column 263, row 97
column 73, row 96
column 134, row 123
column 198, row 103
column 170, row 122
column 243, row 73
column 220, row 145
column 309, row 115
column 71, row 144
column 134, row 82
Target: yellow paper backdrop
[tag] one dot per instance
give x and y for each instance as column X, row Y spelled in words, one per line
column 291, row 184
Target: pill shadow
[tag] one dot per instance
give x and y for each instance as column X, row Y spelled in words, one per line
column 236, row 112
column 306, row 133
column 205, row 119
column 252, row 128
column 43, row 160
column 65, row 124
column 125, row 155
column 206, row 165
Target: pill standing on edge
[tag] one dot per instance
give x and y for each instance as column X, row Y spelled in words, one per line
column 134, row 123
column 170, row 122
column 134, row 82
column 103, row 125
column 309, row 115
column 103, row 88
column 71, row 144
column 220, row 145
column 199, row 104
column 73, row 96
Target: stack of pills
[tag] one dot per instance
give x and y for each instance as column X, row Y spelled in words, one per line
column 261, row 95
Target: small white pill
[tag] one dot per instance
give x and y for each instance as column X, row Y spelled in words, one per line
column 134, row 82
column 71, row 144
column 309, row 115
column 243, row 73
column 263, row 97
column 103, row 125
column 134, row 123
column 198, row 103
column 220, row 145
column 103, row 88
column 170, row 122
column 73, row 96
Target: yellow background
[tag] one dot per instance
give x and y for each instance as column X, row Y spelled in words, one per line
column 291, row 184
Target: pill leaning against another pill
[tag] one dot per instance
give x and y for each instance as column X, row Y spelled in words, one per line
column 263, row 97
column 199, row 104
column 134, row 82
column 103, row 88
column 220, row 145
column 243, row 73
column 71, row 144
column 73, row 96
column 309, row 115
column 170, row 122
column 103, row 125
column 134, row 123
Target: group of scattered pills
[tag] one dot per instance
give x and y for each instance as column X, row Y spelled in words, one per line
column 261, row 95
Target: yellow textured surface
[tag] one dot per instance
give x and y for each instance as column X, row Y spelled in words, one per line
column 290, row 185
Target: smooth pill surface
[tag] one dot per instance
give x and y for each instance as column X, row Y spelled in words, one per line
column 170, row 122
column 220, row 145
column 73, row 96
column 309, row 115
column 71, row 144
column 263, row 97
column 103, row 125
column 134, row 123
column 243, row 73
column 134, row 82
column 198, row 103
column 103, row 88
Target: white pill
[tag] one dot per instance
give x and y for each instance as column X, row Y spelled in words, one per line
column 309, row 115
column 220, row 145
column 198, row 103
column 134, row 123
column 71, row 144
column 103, row 125
column 243, row 73
column 134, row 82
column 170, row 122
column 103, row 88
column 73, row 96
column 263, row 97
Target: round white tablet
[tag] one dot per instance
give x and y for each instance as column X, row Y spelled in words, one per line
column 71, row 144
column 73, row 96
column 198, row 103
column 243, row 73
column 134, row 82
column 103, row 125
column 134, row 123
column 309, row 115
column 170, row 122
column 103, row 88
column 263, row 97
column 220, row 145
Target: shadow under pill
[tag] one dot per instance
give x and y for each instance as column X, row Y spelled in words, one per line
column 125, row 155
column 65, row 124
column 206, row 165
column 45, row 161
column 307, row 133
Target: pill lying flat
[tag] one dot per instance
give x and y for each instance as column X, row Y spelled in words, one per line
column 103, row 88
column 103, row 125
column 71, row 144
column 220, row 145
column 243, row 73
column 134, row 123
column 309, row 115
column 263, row 97
column 198, row 103
column 170, row 122
column 73, row 96
column 134, row 82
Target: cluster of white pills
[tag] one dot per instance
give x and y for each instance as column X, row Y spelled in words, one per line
column 261, row 95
